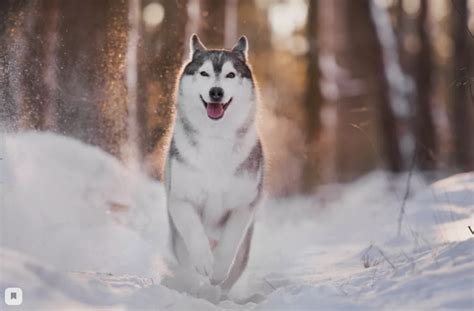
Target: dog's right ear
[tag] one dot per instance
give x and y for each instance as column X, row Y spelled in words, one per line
column 195, row 45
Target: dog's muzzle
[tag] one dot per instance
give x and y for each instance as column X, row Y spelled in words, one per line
column 215, row 111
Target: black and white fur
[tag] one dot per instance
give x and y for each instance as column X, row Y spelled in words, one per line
column 214, row 169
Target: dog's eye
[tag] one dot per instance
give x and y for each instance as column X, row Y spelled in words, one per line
column 204, row 74
column 230, row 75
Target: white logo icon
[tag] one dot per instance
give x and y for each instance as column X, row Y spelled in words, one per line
column 13, row 296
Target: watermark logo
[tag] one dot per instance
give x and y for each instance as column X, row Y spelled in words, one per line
column 13, row 296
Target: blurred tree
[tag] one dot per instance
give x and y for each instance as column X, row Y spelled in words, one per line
column 161, row 59
column 65, row 64
column 63, row 67
column 391, row 94
column 36, row 83
column 253, row 23
column 366, row 128
column 461, row 109
column 11, row 24
column 313, row 98
column 92, row 97
column 404, row 24
column 168, row 60
column 231, row 23
column 402, row 28
column 399, row 23
column 130, row 151
column 81, row 41
column 147, row 107
column 424, row 129
column 212, row 25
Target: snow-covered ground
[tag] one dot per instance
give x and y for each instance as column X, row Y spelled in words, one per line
column 79, row 230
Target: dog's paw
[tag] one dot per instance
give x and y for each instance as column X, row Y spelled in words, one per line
column 210, row 293
column 203, row 261
column 218, row 275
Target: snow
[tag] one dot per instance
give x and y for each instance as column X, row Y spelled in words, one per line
column 79, row 230
column 59, row 195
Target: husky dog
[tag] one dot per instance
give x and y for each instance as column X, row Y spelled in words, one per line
column 214, row 169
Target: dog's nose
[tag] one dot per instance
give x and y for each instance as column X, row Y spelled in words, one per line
column 216, row 93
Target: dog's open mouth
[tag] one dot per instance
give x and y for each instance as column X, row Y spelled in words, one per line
column 215, row 111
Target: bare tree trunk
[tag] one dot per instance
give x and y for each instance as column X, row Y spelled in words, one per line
column 366, row 128
column 313, row 98
column 462, row 110
column 391, row 93
column 424, row 126
column 37, row 95
column 12, row 19
column 355, row 133
column 113, row 128
column 254, row 25
column 212, row 27
column 193, row 9
column 81, row 39
column 231, row 22
column 160, row 78
column 91, row 84
column 400, row 30
column 147, row 51
column 166, row 64
column 132, row 152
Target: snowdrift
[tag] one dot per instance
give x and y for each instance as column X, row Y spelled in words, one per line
column 77, row 208
column 81, row 231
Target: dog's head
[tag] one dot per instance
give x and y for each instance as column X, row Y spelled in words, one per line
column 217, row 85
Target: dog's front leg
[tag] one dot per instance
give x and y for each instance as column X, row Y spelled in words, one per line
column 190, row 228
column 232, row 236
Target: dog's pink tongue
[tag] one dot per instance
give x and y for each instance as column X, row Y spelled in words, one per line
column 215, row 111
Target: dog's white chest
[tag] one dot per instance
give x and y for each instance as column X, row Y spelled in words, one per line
column 208, row 177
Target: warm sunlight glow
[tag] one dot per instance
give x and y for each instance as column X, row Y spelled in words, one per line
column 411, row 7
column 385, row 3
column 237, row 154
column 287, row 17
column 439, row 8
column 444, row 45
column 153, row 14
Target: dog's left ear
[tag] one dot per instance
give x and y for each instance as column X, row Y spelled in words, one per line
column 241, row 48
